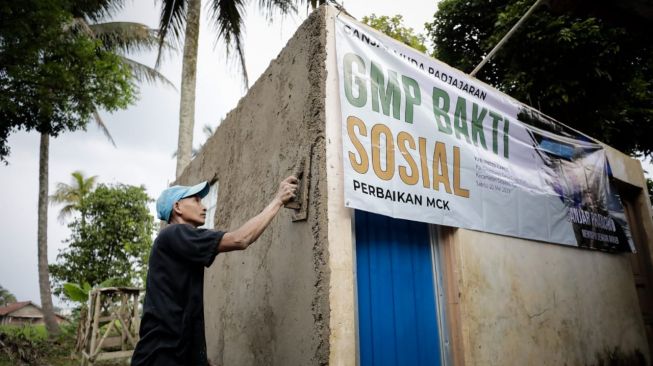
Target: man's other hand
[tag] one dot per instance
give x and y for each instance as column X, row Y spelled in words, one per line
column 287, row 189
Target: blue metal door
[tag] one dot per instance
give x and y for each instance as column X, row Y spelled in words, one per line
column 396, row 297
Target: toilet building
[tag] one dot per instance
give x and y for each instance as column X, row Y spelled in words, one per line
column 418, row 246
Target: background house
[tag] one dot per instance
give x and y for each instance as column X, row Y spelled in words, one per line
column 24, row 313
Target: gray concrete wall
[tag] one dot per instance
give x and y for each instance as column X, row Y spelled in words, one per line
column 528, row 303
column 519, row 302
column 268, row 305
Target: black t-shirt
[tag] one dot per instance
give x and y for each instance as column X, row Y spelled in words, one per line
column 172, row 326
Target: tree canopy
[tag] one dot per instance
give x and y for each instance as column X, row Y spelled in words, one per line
column 112, row 242
column 394, row 27
column 593, row 74
column 53, row 74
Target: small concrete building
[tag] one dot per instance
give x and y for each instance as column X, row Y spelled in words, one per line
column 24, row 313
column 315, row 289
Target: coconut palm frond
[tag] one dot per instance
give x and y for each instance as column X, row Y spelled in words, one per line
column 227, row 17
column 62, row 194
column 143, row 72
column 241, row 58
column 194, row 152
column 173, row 19
column 126, row 36
column 103, row 127
column 96, row 10
column 80, row 25
column 72, row 194
column 270, row 7
column 66, row 212
column 314, row 4
column 208, row 130
column 82, row 185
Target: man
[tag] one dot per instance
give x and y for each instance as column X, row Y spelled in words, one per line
column 172, row 326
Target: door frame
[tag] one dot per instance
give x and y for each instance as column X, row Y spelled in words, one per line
column 437, row 258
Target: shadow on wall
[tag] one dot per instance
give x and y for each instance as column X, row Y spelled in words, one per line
column 617, row 357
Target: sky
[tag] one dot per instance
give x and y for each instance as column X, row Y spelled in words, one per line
column 145, row 133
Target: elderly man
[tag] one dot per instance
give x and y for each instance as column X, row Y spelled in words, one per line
column 172, row 327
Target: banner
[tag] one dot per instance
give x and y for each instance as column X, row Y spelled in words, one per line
column 425, row 142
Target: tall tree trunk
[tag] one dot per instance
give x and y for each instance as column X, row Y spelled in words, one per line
column 188, row 81
column 44, row 273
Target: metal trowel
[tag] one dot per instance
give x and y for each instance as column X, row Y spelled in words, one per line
column 299, row 203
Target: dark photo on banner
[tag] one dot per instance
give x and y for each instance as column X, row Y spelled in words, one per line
column 579, row 173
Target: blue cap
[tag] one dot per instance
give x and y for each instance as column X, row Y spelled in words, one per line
column 173, row 194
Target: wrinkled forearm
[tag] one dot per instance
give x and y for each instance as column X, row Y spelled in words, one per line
column 250, row 231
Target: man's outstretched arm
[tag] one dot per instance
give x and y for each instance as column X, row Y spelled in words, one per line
column 245, row 235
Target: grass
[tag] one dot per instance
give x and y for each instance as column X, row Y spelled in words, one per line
column 30, row 345
column 33, row 332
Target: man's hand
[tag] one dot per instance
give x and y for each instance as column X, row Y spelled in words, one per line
column 242, row 237
column 287, row 190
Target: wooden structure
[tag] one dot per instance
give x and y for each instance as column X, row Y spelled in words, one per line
column 110, row 328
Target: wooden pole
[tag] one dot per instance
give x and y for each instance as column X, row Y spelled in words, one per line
column 96, row 325
column 136, row 320
column 123, row 330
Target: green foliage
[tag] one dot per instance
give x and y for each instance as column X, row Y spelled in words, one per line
column 72, row 195
column 77, row 293
column 80, row 292
column 6, row 297
column 22, row 344
column 588, row 73
column 394, row 27
column 53, row 76
column 113, row 242
column 649, row 186
column 123, row 38
column 30, row 345
column 30, row 332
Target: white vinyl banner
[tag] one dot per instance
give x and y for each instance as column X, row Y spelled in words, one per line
column 425, row 142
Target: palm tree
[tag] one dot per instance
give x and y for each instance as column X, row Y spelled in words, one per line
column 120, row 38
column 183, row 16
column 6, row 297
column 42, row 238
column 72, row 195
